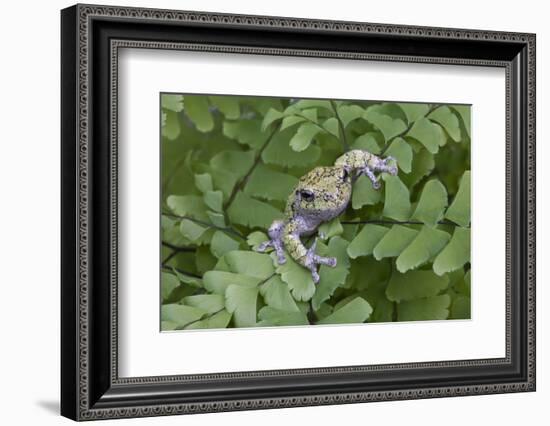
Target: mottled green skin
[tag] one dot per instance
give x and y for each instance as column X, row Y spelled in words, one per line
column 320, row 196
column 331, row 188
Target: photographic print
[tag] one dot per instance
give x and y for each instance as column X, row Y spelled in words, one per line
column 305, row 212
column 215, row 193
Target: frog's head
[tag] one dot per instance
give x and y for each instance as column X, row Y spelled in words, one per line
column 324, row 192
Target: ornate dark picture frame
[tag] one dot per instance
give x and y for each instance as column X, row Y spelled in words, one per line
column 91, row 37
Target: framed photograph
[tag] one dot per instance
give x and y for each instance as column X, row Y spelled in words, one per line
column 263, row 212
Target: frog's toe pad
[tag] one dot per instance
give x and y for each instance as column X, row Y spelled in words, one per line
column 315, row 276
column 264, row 246
column 331, row 261
column 328, row 261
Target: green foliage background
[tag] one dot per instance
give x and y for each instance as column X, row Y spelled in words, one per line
column 228, row 165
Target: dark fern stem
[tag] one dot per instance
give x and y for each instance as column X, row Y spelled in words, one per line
column 241, row 184
column 175, row 251
column 181, row 271
column 226, row 229
column 182, row 327
column 393, row 222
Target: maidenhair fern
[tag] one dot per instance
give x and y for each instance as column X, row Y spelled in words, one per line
column 228, row 166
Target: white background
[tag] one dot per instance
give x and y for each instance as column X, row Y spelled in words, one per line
column 141, row 345
column 29, row 233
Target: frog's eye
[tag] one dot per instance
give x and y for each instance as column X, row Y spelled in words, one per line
column 306, row 195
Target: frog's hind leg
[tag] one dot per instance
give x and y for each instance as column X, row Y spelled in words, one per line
column 312, row 260
column 275, row 232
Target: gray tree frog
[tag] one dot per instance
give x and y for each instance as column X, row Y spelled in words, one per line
column 320, row 196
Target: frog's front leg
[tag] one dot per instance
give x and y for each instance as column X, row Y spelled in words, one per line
column 302, row 255
column 275, row 232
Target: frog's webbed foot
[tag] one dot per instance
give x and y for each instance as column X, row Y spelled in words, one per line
column 312, row 260
column 275, row 232
column 388, row 166
column 367, row 171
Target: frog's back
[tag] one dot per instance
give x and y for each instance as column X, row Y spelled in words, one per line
column 318, row 178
